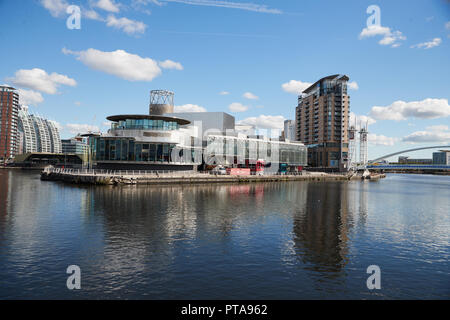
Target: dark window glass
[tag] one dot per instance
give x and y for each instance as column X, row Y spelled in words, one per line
column 131, row 155
column 106, row 149
column 138, row 152
column 152, row 153
column 125, row 150
column 159, row 152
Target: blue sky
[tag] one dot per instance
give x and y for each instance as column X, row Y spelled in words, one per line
column 248, row 49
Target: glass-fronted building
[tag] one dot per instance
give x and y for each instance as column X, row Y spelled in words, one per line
column 164, row 140
column 148, row 142
column 242, row 151
column 156, row 142
column 442, row 157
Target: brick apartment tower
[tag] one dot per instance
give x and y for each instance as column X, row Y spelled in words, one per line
column 322, row 118
column 9, row 109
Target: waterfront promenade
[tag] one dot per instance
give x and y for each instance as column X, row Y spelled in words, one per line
column 118, row 177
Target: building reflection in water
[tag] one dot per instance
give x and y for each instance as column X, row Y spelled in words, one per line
column 144, row 226
column 269, row 240
column 321, row 228
column 5, row 195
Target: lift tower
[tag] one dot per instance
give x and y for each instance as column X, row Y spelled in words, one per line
column 363, row 157
column 352, row 147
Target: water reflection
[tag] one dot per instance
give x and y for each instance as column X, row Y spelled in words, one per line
column 144, row 226
column 321, row 228
column 5, row 185
column 274, row 240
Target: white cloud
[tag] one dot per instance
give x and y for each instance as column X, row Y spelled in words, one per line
column 189, row 108
column 120, row 63
column 126, row 25
column 227, row 4
column 57, row 125
column 400, row 110
column 76, row 128
column 439, row 127
column 29, row 97
column 428, row 45
column 380, row 140
column 373, row 31
column 237, row 107
column 169, row 64
column 40, row 80
column 447, row 25
column 264, row 122
column 55, row 7
column 108, row 5
column 392, row 38
column 360, row 119
column 251, row 96
column 436, row 133
column 295, row 86
column 353, row 85
column 224, row 93
column 91, row 14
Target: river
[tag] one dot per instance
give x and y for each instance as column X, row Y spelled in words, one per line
column 280, row 240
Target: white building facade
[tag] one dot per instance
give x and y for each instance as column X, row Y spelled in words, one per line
column 38, row 134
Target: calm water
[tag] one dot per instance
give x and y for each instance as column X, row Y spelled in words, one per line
column 267, row 241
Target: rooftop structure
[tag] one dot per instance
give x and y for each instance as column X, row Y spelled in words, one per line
column 161, row 101
column 209, row 122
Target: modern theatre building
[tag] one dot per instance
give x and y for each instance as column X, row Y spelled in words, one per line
column 163, row 140
column 147, row 142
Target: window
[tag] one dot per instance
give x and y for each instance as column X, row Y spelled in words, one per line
column 131, row 154
column 138, row 152
column 124, row 150
column 152, row 153
column 159, row 152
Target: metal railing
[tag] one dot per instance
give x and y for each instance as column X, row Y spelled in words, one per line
column 148, row 173
column 140, row 173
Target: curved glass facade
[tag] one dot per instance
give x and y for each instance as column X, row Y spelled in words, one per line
column 127, row 149
column 142, row 124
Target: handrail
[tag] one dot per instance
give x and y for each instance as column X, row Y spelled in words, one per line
column 141, row 173
column 71, row 171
